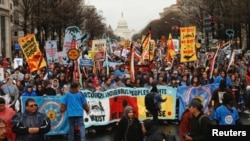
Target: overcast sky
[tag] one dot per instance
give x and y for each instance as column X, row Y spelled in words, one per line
column 137, row 13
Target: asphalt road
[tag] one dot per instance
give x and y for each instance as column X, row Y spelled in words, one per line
column 103, row 135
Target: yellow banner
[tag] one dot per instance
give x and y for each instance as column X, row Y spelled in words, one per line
column 91, row 54
column 125, row 44
column 167, row 110
column 145, row 46
column 32, row 53
column 188, row 52
column 150, row 54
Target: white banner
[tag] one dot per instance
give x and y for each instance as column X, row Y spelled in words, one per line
column 51, row 51
column 70, row 33
column 18, row 62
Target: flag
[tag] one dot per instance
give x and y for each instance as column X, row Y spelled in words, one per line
column 145, row 46
column 107, row 61
column 132, row 65
column 170, row 49
column 76, row 73
column 231, row 60
column 213, row 62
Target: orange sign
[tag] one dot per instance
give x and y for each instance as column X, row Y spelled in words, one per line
column 73, row 54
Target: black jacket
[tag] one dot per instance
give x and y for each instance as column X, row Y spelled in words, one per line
column 49, row 91
column 199, row 130
column 23, row 121
column 129, row 131
column 154, row 135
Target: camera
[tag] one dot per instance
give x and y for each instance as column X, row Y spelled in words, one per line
column 185, row 135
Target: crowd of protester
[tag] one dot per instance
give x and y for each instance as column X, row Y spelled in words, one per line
column 55, row 79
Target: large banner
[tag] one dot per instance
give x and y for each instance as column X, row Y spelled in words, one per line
column 32, row 53
column 188, row 52
column 106, row 107
column 50, row 105
column 186, row 94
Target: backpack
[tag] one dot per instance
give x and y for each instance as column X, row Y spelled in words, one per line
column 149, row 102
column 210, row 121
column 167, row 136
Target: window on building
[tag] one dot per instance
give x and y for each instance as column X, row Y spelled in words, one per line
column 16, row 17
column 15, row 33
column 3, row 35
column 11, row 6
column 11, row 18
column 2, row 2
column 15, row 2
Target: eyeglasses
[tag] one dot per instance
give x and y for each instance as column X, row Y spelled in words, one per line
column 33, row 105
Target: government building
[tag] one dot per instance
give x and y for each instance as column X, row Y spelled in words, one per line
column 122, row 30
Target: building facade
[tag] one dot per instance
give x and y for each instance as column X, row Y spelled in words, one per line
column 5, row 28
column 122, row 29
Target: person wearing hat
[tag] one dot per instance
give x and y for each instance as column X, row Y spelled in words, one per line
column 198, row 123
column 227, row 114
column 129, row 127
column 157, row 101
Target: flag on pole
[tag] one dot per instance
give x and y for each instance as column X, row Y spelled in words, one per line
column 213, row 62
column 132, row 65
column 76, row 73
column 231, row 60
column 107, row 61
column 170, row 49
column 145, row 46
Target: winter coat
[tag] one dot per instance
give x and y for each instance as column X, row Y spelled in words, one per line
column 23, row 121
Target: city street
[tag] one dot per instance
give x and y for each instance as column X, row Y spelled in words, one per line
column 103, row 135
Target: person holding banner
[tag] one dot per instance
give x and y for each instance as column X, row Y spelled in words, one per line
column 31, row 125
column 75, row 103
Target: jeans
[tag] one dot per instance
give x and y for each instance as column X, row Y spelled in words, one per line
column 76, row 121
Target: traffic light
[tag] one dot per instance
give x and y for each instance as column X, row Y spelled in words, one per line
column 212, row 23
column 209, row 23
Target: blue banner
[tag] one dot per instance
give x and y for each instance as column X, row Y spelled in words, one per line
column 50, row 105
column 86, row 62
column 186, row 94
column 17, row 46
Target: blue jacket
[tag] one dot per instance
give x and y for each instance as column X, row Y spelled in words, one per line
column 26, row 93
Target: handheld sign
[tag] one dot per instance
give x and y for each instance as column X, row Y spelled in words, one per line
column 73, row 54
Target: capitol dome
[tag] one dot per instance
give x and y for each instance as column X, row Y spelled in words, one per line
column 122, row 22
column 122, row 29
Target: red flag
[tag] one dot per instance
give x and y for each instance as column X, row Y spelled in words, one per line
column 170, row 49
